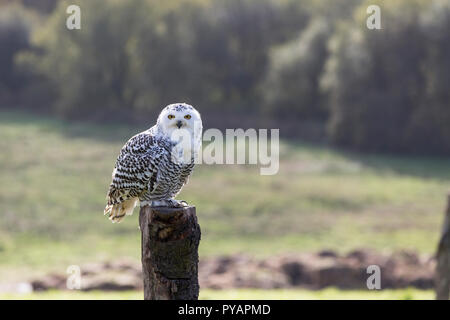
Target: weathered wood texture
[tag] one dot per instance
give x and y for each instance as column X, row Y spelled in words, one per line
column 170, row 239
column 443, row 260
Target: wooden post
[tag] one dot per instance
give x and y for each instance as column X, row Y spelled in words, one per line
column 443, row 260
column 170, row 239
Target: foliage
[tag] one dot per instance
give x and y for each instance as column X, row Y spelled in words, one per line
column 15, row 30
column 386, row 91
column 290, row 62
column 292, row 85
column 44, row 6
column 212, row 54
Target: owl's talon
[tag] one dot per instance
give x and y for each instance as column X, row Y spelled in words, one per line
column 170, row 203
column 176, row 203
column 184, row 203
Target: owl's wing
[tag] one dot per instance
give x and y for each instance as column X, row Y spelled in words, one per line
column 136, row 168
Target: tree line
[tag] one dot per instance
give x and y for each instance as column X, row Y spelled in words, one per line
column 290, row 61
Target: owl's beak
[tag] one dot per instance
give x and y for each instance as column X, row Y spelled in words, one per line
column 179, row 124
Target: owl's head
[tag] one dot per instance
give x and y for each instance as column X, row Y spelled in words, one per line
column 180, row 116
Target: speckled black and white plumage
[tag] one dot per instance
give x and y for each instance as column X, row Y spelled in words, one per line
column 146, row 170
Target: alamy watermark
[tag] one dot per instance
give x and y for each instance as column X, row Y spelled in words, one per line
column 374, row 20
column 73, row 21
column 237, row 146
column 74, row 277
column 374, row 280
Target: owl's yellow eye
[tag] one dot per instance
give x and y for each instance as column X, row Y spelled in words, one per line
column 188, row 116
column 170, row 116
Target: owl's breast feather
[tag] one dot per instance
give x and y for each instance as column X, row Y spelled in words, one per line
column 184, row 152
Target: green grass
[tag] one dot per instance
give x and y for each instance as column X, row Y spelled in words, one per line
column 239, row 294
column 55, row 174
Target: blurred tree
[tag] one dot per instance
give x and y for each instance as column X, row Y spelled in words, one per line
column 378, row 81
column 130, row 58
column 170, row 72
column 429, row 126
column 291, row 89
column 379, row 90
column 232, row 47
column 44, row 6
column 15, row 29
column 96, row 69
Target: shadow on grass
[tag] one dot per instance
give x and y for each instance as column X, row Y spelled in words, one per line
column 106, row 132
column 420, row 166
column 426, row 167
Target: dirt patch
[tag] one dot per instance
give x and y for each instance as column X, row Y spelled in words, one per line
column 313, row 271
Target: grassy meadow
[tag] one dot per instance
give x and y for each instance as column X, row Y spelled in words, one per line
column 240, row 294
column 54, row 177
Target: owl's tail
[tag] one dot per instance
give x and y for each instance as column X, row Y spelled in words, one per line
column 118, row 211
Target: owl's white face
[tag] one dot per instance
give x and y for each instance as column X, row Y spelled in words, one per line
column 180, row 116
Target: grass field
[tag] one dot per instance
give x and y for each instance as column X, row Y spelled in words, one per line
column 241, row 294
column 55, row 174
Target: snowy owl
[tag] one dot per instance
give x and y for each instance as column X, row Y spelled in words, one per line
column 154, row 165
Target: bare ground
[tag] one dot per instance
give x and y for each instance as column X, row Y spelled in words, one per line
column 313, row 271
